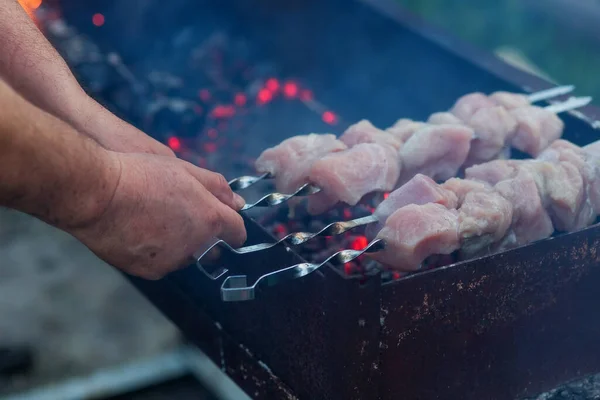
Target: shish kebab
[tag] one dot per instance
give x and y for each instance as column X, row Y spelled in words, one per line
column 500, row 205
column 408, row 126
column 366, row 160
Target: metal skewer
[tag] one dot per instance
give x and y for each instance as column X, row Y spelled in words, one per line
column 297, row 238
column 243, row 182
column 550, row 93
column 236, row 288
column 273, row 199
column 568, row 105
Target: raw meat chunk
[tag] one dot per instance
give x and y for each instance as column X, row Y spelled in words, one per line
column 415, row 232
column 290, row 161
column 536, row 129
column 466, row 106
column 349, row 175
column 364, row 132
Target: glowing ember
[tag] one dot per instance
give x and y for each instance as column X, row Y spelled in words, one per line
column 272, row 84
column 210, row 147
column 306, row 95
column 223, row 111
column 212, row 133
column 396, row 275
column 264, row 96
column 204, row 95
column 30, row 6
column 359, row 243
column 98, row 19
column 329, row 117
column 347, row 214
column 240, row 99
column 174, row 143
column 386, row 195
column 290, row 90
column 198, row 109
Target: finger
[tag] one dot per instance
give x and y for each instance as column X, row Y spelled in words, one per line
column 230, row 225
column 217, row 185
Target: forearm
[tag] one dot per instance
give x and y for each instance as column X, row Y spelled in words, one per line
column 30, row 64
column 49, row 170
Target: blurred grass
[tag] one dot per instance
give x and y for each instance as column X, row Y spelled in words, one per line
column 562, row 52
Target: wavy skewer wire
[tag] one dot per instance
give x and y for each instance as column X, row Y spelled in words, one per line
column 273, row 199
column 296, row 238
column 236, row 288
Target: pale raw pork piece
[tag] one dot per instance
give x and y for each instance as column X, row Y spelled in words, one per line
column 493, row 127
column 493, row 172
column 404, row 128
column 365, row 132
column 593, row 149
column 588, row 166
column 484, row 218
column 509, row 100
column 415, row 232
column 419, row 190
column 437, row 151
column 349, row 175
column 536, row 129
column 290, row 161
column 561, row 188
column 530, row 220
column 462, row 187
column 466, row 106
column 444, row 118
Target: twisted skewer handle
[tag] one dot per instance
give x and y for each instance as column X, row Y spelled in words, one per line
column 244, row 182
column 236, row 288
column 274, row 199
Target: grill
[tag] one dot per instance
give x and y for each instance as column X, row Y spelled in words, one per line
column 499, row 327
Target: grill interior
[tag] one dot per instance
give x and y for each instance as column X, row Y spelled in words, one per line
column 195, row 75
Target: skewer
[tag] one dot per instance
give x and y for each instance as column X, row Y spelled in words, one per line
column 273, row 199
column 570, row 104
column 236, row 288
column 307, row 189
column 297, row 238
column 244, row 182
column 550, row 93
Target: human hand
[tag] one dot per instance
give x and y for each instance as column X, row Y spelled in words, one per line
column 162, row 211
column 111, row 132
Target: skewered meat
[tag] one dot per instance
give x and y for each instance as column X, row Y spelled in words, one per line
column 419, row 190
column 530, row 220
column 509, row 100
column 560, row 186
column 588, row 165
column 461, row 187
column 492, row 172
column 494, row 127
column 437, row 151
column 536, row 129
column 404, row 128
column 466, row 106
column 364, row 132
column 349, row 175
column 444, row 118
column 414, row 232
column 484, row 218
column 290, row 161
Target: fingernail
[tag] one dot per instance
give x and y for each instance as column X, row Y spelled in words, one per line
column 239, row 201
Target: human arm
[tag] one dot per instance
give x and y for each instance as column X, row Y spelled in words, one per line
column 144, row 214
column 30, row 64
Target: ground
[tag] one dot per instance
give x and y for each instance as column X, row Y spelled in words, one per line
column 77, row 312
